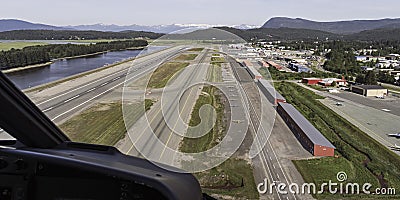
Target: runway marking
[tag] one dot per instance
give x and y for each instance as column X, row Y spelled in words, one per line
column 180, row 112
column 141, row 134
column 72, row 98
column 47, row 109
column 91, row 89
column 184, row 105
column 104, row 77
column 71, row 109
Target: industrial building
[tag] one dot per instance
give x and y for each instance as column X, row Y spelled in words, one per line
column 331, row 81
column 309, row 137
column 311, row 81
column 276, row 66
column 369, row 90
column 269, row 92
column 324, row 82
column 299, row 68
column 263, row 64
column 252, row 71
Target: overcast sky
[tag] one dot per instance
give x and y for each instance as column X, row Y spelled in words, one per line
column 151, row 12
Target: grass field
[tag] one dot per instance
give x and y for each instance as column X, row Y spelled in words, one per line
column 186, row 57
column 196, row 49
column 194, row 145
column 214, row 73
column 102, row 123
column 215, row 60
column 234, row 177
column 161, row 75
column 5, row 46
column 360, row 156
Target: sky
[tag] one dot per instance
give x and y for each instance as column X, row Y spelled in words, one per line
column 222, row 12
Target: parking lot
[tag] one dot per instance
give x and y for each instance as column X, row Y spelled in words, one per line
column 390, row 104
column 376, row 123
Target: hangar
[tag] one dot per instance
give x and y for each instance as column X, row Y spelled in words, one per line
column 369, row 90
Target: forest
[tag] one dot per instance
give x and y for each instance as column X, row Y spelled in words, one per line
column 41, row 54
column 74, row 35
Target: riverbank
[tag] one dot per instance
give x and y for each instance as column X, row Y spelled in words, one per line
column 81, row 56
column 26, row 67
column 53, row 83
column 17, row 69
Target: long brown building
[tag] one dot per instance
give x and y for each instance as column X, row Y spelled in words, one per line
column 309, row 137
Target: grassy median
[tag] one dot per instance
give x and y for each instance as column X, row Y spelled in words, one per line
column 217, row 60
column 364, row 159
column 186, row 57
column 196, row 49
column 234, row 177
column 5, row 46
column 102, row 123
column 166, row 71
column 194, row 145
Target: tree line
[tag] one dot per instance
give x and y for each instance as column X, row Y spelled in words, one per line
column 41, row 54
column 74, row 35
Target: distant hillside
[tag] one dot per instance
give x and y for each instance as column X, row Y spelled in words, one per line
column 282, row 34
column 13, row 24
column 73, row 35
column 156, row 28
column 338, row 27
column 382, row 34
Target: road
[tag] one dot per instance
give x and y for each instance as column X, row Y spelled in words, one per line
column 163, row 114
column 157, row 135
column 66, row 101
column 281, row 147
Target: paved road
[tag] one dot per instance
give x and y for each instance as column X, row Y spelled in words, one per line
column 68, row 101
column 163, row 114
column 167, row 120
column 274, row 161
column 265, row 158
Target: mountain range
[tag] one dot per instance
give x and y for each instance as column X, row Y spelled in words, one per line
column 338, row 27
column 14, row 24
column 275, row 28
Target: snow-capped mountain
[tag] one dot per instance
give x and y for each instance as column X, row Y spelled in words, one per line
column 156, row 28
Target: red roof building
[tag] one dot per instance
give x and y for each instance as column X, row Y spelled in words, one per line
column 311, row 81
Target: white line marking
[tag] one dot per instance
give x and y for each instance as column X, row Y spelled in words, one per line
column 104, row 77
column 56, row 117
column 91, row 90
column 72, row 98
column 45, row 110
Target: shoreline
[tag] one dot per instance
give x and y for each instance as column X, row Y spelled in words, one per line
column 17, row 69
column 56, row 82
